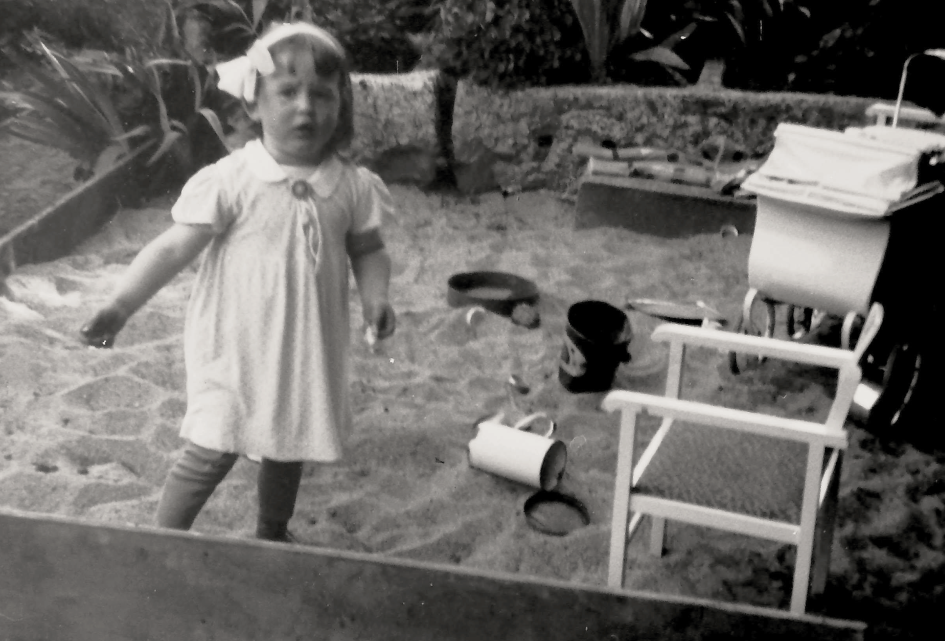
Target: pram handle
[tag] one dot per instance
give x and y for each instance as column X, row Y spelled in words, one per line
column 935, row 53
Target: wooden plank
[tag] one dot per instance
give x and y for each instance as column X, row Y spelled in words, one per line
column 659, row 208
column 792, row 429
column 62, row 579
column 55, row 231
column 821, row 355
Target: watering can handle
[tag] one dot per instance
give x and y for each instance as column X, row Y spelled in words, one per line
column 531, row 418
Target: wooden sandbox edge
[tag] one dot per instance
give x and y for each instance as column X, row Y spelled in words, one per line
column 64, row 579
column 58, row 229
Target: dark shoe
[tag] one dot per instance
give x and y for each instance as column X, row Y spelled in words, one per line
column 275, row 531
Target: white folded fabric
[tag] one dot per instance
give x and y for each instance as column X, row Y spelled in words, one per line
column 868, row 171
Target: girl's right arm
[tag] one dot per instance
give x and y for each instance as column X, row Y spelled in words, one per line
column 155, row 266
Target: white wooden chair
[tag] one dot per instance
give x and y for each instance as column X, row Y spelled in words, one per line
column 756, row 474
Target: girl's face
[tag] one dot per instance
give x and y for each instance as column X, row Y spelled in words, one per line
column 297, row 108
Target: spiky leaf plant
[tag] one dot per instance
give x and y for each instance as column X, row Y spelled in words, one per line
column 66, row 110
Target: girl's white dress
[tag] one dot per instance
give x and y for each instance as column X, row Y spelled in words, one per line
column 267, row 336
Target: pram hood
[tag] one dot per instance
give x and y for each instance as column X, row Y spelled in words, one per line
column 864, row 171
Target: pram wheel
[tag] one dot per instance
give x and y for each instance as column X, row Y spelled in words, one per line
column 799, row 321
column 752, row 324
column 888, row 389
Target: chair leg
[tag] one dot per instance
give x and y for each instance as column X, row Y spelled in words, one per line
column 810, row 506
column 621, row 510
column 619, row 530
column 826, row 522
column 801, row 579
column 618, row 551
column 657, row 535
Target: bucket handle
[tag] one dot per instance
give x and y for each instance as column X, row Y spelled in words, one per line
column 521, row 424
column 531, row 418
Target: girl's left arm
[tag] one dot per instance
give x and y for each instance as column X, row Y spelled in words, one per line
column 370, row 261
column 372, row 274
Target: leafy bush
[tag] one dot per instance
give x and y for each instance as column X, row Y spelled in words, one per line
column 510, row 43
column 111, row 25
column 760, row 41
column 606, row 24
column 375, row 33
column 757, row 39
column 847, row 47
column 98, row 106
column 861, row 46
column 66, row 110
column 513, row 43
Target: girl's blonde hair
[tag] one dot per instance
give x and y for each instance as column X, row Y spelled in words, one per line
column 329, row 58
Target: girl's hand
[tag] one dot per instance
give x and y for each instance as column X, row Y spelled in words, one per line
column 152, row 269
column 101, row 330
column 380, row 320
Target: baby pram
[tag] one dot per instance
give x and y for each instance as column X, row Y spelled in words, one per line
column 846, row 219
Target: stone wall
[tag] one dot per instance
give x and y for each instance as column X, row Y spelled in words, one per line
column 523, row 139
column 395, row 124
column 394, row 111
column 530, row 132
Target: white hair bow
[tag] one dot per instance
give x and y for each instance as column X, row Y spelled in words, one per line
column 238, row 76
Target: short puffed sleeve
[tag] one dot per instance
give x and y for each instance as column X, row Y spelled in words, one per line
column 372, row 202
column 202, row 201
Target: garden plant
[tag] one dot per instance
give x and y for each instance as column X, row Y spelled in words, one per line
column 104, row 79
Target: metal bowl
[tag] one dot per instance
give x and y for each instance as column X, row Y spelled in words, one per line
column 498, row 292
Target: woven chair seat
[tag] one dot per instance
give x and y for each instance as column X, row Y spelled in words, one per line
column 728, row 470
column 748, row 476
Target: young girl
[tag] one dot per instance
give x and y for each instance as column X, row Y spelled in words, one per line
column 266, row 336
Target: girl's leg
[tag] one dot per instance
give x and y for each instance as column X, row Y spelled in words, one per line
column 278, row 487
column 190, row 483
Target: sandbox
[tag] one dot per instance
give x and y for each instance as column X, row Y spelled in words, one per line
column 71, row 581
column 404, row 523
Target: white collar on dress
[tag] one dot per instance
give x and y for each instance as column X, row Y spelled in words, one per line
column 323, row 181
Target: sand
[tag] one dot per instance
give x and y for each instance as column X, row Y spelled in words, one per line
column 92, row 433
